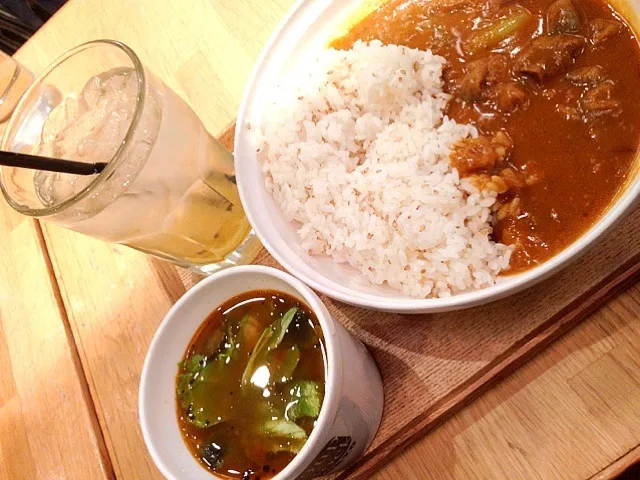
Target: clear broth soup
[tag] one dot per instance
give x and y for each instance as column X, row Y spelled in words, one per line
column 251, row 384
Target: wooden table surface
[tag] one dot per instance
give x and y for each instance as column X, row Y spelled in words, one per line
column 77, row 315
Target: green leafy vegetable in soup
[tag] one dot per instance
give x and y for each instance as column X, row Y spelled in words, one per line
column 250, row 386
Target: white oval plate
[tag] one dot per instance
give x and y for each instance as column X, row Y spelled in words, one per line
column 306, row 29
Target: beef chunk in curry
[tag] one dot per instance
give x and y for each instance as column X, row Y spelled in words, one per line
column 563, row 17
column 507, row 96
column 588, row 76
column 480, row 154
column 602, row 29
column 553, row 88
column 548, row 55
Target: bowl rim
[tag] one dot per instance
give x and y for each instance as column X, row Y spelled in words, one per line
column 333, row 368
column 506, row 286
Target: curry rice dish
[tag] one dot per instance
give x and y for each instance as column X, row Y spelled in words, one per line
column 547, row 92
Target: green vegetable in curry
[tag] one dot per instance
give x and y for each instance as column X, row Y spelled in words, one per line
column 495, row 32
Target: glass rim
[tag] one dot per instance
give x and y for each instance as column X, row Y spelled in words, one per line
column 116, row 158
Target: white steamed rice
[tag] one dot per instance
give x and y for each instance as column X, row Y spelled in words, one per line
column 356, row 154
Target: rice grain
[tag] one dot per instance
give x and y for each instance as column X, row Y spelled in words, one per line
column 357, row 156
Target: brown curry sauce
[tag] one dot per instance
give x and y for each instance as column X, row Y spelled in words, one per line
column 579, row 161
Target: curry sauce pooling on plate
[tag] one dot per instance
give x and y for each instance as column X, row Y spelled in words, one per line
column 251, row 384
column 552, row 88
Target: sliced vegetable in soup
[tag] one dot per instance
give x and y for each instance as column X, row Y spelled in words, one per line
column 251, row 384
column 553, row 88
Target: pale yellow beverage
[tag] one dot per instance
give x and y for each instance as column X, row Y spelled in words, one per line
column 169, row 187
column 207, row 223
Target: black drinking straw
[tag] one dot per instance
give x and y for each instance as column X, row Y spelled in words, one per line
column 35, row 162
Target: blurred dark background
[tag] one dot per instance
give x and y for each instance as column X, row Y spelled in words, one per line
column 632, row 474
column 19, row 19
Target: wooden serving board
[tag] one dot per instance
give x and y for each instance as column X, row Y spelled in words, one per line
column 433, row 365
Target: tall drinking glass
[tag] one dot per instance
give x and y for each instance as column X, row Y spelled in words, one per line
column 168, row 189
column 14, row 80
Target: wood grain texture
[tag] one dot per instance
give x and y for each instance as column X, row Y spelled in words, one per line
column 620, row 466
column 47, row 423
column 116, row 297
column 565, row 415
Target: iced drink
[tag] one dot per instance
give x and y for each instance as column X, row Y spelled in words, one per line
column 169, row 188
